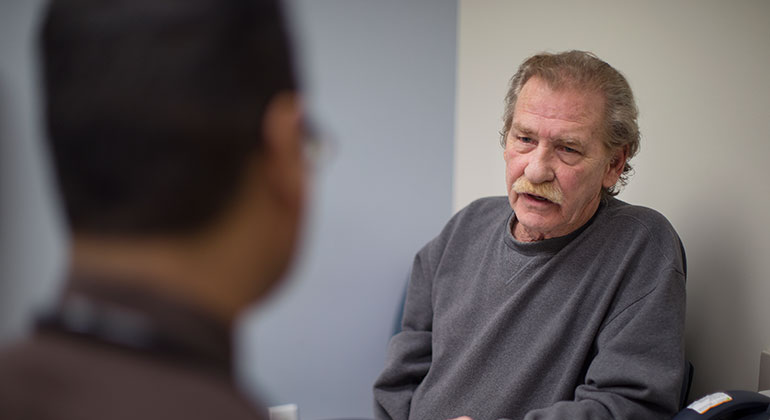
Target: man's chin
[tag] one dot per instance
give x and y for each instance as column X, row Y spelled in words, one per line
column 526, row 204
column 539, row 219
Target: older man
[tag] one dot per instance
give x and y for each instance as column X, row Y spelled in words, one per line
column 559, row 302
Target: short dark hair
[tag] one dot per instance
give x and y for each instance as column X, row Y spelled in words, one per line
column 154, row 108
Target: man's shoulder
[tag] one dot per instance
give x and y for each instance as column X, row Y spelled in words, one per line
column 101, row 378
column 634, row 224
column 483, row 210
column 475, row 222
column 639, row 217
column 28, row 353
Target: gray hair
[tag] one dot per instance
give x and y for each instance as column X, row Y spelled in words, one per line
column 587, row 72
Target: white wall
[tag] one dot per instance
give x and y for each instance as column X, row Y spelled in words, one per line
column 700, row 73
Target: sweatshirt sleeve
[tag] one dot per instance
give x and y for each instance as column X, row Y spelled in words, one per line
column 409, row 352
column 638, row 366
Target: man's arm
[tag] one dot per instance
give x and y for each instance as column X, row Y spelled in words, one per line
column 638, row 368
column 409, row 352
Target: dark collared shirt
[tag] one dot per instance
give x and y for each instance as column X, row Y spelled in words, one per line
column 122, row 353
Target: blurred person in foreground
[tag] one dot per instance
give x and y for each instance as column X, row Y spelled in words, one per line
column 176, row 136
column 558, row 301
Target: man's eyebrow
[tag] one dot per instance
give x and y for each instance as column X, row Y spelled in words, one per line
column 566, row 140
column 570, row 141
column 521, row 129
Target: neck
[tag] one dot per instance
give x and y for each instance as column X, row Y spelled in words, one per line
column 210, row 271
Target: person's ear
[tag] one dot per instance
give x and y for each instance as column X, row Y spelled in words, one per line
column 282, row 149
column 615, row 166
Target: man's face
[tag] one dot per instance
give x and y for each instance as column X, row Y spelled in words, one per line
column 555, row 144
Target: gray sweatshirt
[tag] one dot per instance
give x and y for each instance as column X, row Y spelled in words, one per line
column 585, row 326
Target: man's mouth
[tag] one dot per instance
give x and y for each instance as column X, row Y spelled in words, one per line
column 537, row 197
column 551, row 194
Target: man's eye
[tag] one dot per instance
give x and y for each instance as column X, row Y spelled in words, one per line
column 524, row 139
column 570, row 150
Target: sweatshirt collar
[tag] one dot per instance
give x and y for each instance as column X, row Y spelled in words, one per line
column 545, row 246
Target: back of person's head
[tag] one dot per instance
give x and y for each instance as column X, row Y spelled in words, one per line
column 154, row 107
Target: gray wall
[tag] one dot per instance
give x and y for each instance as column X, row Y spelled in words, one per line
column 381, row 79
column 31, row 248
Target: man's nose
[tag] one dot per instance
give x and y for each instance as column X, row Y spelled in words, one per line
column 539, row 168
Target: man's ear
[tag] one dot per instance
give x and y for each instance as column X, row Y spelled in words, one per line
column 284, row 167
column 615, row 167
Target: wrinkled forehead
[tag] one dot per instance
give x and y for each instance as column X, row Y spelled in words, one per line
column 567, row 103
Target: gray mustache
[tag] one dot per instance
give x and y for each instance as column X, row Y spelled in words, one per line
column 547, row 190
